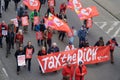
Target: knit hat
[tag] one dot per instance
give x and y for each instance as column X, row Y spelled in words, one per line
column 80, row 62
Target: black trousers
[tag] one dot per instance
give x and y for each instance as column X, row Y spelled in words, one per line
column 6, row 5
column 45, row 43
column 28, row 61
column 49, row 42
column 40, row 42
column 32, row 25
column 1, row 41
column 61, row 35
column 112, row 56
column 18, row 68
column 16, row 6
column 0, row 14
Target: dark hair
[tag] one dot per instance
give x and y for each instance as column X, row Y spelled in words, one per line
column 101, row 38
column 113, row 39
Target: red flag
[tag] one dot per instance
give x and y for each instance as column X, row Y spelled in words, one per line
column 57, row 24
column 32, row 4
column 85, row 13
column 89, row 55
column 74, row 4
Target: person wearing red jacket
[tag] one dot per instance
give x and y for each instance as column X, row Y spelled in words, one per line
column 112, row 43
column 51, row 10
column 48, row 37
column 80, row 71
column 19, row 38
column 3, row 27
column 63, row 7
column 68, row 72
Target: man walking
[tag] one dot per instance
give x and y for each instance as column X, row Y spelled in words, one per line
column 80, row 71
column 29, row 50
column 112, row 43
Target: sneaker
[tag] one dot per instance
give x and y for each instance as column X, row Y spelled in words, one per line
column 29, row 70
column 0, row 46
column 17, row 73
column 112, row 62
column 6, row 56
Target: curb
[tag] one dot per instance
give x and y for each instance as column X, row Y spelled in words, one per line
column 107, row 10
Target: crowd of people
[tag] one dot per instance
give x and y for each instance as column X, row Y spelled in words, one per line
column 44, row 35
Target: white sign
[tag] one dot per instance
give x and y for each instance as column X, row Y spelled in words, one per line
column 57, row 22
column 21, row 60
column 15, row 21
column 4, row 32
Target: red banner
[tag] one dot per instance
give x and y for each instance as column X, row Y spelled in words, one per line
column 25, row 21
column 36, row 20
column 90, row 55
column 85, row 13
column 56, row 24
column 32, row 4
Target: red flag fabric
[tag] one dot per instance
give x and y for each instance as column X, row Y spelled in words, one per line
column 56, row 23
column 32, row 4
column 85, row 13
column 74, row 4
column 89, row 55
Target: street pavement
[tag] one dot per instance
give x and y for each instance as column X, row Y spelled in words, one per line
column 104, row 25
column 111, row 6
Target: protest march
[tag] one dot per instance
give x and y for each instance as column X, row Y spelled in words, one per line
column 51, row 29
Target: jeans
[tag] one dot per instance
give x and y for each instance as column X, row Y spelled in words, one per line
column 49, row 42
column 71, row 39
column 29, row 64
column 40, row 42
column 1, row 41
column 62, row 34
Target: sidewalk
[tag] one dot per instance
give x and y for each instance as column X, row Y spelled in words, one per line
column 112, row 6
column 3, row 74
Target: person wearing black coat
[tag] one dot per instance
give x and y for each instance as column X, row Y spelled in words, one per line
column 18, row 52
column 28, row 47
column 16, row 3
column 54, row 48
column 63, row 17
column 100, row 42
column 6, row 4
column 42, row 52
column 0, row 8
column 10, row 41
column 42, row 26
